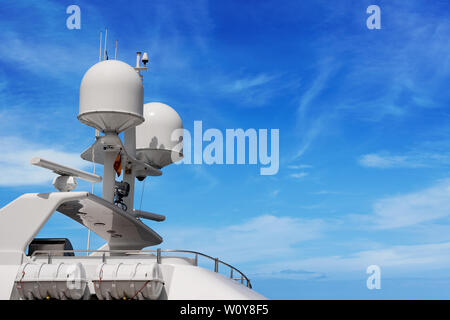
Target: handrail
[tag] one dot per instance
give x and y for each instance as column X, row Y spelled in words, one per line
column 158, row 252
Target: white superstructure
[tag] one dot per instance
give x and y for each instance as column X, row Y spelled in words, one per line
column 111, row 100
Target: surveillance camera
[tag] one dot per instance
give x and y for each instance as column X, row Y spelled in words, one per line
column 145, row 58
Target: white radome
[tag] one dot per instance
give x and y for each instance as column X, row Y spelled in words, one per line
column 111, row 97
column 159, row 139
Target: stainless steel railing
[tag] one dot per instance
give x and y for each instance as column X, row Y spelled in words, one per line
column 158, row 253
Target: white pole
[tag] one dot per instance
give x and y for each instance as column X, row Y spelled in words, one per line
column 138, row 60
column 88, row 242
column 115, row 54
column 93, row 153
column 93, row 185
column 129, row 138
column 109, row 176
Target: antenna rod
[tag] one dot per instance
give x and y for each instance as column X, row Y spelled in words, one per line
column 100, row 52
column 115, row 55
column 106, row 37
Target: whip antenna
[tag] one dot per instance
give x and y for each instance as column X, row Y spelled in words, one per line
column 100, row 51
column 105, row 57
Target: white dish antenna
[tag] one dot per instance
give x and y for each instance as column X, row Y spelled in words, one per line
column 159, row 140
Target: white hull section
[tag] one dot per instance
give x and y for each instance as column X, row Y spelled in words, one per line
column 178, row 278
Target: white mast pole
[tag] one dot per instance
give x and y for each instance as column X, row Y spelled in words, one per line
column 129, row 137
column 93, row 154
column 109, row 175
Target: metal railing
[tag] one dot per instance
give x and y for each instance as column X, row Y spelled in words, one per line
column 157, row 253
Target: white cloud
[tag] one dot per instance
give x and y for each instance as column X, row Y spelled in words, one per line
column 248, row 83
column 16, row 167
column 300, row 166
column 326, row 192
column 311, row 122
column 268, row 245
column 373, row 160
column 295, row 274
column 413, row 208
column 418, row 260
column 255, row 90
column 319, row 84
column 262, row 237
column 299, row 175
column 274, row 193
column 424, row 156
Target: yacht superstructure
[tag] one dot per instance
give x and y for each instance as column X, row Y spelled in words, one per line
column 111, row 101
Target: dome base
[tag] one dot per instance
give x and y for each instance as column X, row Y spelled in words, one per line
column 110, row 121
column 158, row 157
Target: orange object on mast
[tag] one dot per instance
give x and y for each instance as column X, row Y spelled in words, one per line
column 118, row 165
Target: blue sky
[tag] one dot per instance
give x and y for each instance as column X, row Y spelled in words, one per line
column 364, row 126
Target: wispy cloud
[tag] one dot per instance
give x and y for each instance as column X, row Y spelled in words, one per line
column 402, row 260
column 15, row 162
column 299, row 175
column 327, row 192
column 410, row 209
column 36, row 52
column 293, row 274
column 374, row 160
column 312, row 124
column 253, row 240
column 387, row 81
column 300, row 166
column 248, row 83
column 316, row 88
column 278, row 237
column 252, row 90
column 274, row 193
column 410, row 160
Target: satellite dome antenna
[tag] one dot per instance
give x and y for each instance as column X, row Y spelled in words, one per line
column 159, row 139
